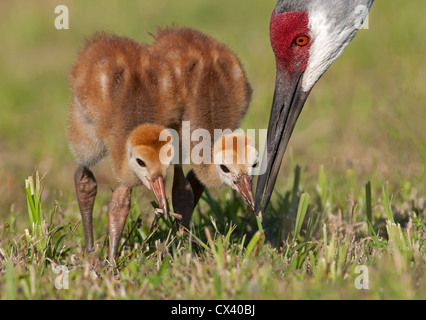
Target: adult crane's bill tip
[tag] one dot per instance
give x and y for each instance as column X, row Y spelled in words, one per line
column 287, row 104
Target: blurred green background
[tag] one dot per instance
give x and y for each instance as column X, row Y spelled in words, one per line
column 365, row 117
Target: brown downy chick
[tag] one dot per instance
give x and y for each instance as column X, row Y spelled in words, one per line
column 105, row 119
column 118, row 84
column 147, row 161
column 234, row 157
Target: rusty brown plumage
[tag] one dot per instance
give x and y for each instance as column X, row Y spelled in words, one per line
column 117, row 84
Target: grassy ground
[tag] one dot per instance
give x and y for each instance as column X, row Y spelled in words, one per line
column 363, row 122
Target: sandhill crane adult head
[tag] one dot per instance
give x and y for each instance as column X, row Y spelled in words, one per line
column 148, row 158
column 307, row 36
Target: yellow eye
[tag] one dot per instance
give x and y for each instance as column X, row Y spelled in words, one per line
column 301, row 40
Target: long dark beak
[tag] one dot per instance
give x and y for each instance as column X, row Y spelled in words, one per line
column 244, row 185
column 287, row 104
column 157, row 188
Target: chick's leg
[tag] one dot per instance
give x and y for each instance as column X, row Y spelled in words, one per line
column 86, row 189
column 118, row 210
column 196, row 185
column 182, row 196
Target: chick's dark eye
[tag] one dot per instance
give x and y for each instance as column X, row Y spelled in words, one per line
column 224, row 168
column 255, row 164
column 140, row 162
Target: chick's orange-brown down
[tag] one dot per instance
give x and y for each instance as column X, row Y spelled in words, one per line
column 213, row 93
column 117, row 84
column 138, row 164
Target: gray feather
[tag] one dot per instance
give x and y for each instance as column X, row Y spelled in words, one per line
column 338, row 9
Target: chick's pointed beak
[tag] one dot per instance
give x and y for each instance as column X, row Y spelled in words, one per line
column 244, row 186
column 157, row 188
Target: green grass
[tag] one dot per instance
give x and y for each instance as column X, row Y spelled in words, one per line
column 229, row 254
column 351, row 190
